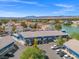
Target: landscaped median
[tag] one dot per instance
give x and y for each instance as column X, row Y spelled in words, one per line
column 32, row 53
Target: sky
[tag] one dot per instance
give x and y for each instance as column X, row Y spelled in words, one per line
column 22, row 8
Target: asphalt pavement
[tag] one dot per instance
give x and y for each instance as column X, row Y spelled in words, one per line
column 46, row 47
column 49, row 52
column 18, row 52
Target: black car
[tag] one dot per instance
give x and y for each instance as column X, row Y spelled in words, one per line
column 46, row 57
column 9, row 54
column 61, row 53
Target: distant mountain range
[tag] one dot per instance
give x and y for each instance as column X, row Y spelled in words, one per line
column 50, row 17
column 40, row 17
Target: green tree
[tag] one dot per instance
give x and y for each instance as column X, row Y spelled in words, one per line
column 3, row 28
column 14, row 28
column 4, row 21
column 60, row 41
column 23, row 24
column 35, row 25
column 69, row 23
column 32, row 53
column 14, row 20
column 57, row 21
column 0, row 23
column 35, row 43
column 58, row 27
column 75, row 35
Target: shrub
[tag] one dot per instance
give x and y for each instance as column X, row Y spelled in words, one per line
column 60, row 41
column 75, row 35
column 32, row 53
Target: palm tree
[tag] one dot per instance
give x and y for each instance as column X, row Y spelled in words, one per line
column 35, row 43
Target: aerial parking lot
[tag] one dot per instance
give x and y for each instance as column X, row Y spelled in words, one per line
column 46, row 47
column 49, row 52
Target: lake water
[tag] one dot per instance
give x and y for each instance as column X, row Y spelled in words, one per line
column 70, row 29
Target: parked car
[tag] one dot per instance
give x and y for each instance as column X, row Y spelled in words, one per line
column 62, row 53
column 62, row 47
column 10, row 54
column 67, row 57
column 46, row 57
column 58, row 51
column 55, row 47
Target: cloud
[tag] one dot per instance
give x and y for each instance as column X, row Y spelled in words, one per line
column 25, row 2
column 3, row 0
column 64, row 10
column 32, row 3
column 11, row 14
column 9, row 0
column 64, row 5
column 6, row 5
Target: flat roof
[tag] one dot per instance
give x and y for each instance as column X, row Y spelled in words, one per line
column 73, row 44
column 41, row 33
column 4, row 41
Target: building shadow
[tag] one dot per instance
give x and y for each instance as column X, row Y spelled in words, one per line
column 46, row 57
column 11, row 53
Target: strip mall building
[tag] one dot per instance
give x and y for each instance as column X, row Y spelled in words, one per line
column 6, row 46
column 41, row 36
column 72, row 47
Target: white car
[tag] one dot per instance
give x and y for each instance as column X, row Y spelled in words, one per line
column 58, row 51
column 67, row 57
column 52, row 47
